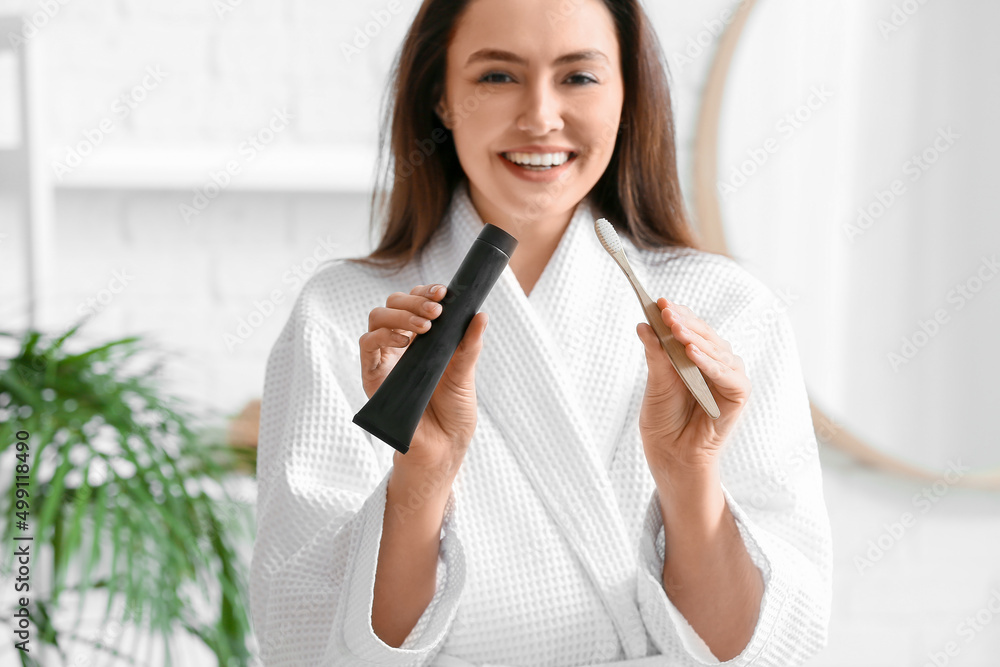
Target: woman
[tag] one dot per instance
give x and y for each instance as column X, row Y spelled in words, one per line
column 565, row 501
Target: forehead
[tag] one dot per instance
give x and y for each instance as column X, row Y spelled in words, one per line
column 538, row 30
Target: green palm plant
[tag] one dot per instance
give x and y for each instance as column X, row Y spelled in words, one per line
column 123, row 487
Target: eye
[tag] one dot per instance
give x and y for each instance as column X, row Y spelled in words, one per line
column 489, row 77
column 582, row 79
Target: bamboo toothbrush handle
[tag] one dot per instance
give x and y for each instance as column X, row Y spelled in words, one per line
column 687, row 369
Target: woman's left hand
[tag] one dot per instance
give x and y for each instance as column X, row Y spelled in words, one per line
column 677, row 435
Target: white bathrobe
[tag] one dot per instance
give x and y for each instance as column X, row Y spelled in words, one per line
column 552, row 540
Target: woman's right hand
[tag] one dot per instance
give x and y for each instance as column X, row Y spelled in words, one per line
column 447, row 425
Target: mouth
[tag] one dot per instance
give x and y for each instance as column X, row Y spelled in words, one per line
column 539, row 161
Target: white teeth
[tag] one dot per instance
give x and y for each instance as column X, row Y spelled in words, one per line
column 541, row 160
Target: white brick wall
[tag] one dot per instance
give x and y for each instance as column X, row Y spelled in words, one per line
column 194, row 283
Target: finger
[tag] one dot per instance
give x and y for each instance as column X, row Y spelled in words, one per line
column 690, row 329
column 686, row 336
column 424, row 305
column 465, row 356
column 675, row 312
column 433, row 291
column 723, row 356
column 394, row 337
column 728, row 380
column 394, row 318
column 651, row 342
column 371, row 345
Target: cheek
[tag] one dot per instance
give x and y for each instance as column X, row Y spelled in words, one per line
column 602, row 137
column 474, row 103
column 473, row 151
column 477, row 133
column 600, row 128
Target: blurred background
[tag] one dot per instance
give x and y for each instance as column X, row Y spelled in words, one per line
column 177, row 170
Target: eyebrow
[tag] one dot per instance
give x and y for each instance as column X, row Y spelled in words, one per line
column 507, row 56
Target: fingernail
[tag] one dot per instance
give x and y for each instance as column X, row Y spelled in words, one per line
column 435, row 289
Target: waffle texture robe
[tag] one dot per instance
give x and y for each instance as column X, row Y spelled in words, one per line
column 552, row 540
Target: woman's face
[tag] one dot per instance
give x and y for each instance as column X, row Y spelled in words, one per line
column 535, row 81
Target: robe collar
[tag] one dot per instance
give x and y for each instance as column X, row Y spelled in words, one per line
column 556, row 375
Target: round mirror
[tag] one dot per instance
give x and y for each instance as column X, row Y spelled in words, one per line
column 852, row 172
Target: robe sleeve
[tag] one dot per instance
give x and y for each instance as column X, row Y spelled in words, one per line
column 320, row 506
column 772, row 484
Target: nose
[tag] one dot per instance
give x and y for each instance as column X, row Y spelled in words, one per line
column 542, row 112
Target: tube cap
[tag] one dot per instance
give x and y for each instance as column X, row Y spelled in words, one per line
column 498, row 238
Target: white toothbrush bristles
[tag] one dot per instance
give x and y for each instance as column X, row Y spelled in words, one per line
column 608, row 236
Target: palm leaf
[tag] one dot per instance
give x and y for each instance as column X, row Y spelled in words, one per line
column 53, row 496
column 100, row 500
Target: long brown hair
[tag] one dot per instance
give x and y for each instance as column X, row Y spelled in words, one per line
column 639, row 191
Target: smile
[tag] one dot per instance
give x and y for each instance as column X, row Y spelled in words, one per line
column 538, row 161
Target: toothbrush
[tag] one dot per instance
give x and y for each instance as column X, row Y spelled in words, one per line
column 689, row 372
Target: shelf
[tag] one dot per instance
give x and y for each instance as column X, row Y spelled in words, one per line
column 279, row 169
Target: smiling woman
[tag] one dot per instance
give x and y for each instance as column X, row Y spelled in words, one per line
column 564, row 500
